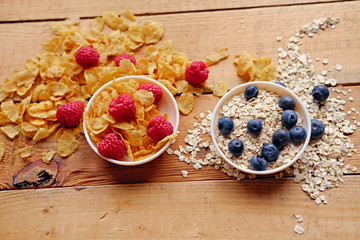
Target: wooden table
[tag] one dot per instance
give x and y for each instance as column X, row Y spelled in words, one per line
column 94, row 199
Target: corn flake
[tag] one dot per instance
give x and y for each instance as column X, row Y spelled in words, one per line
column 47, row 156
column 217, row 56
column 67, row 143
column 25, row 151
column 10, row 130
column 220, row 89
column 186, row 102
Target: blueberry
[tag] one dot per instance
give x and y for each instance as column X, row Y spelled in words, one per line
column 297, row 134
column 236, row 147
column 320, row 93
column 317, row 129
column 289, row 118
column 250, row 92
column 280, row 83
column 281, row 138
column 287, row 102
column 270, row 152
column 225, row 125
column 254, row 126
column 258, row 163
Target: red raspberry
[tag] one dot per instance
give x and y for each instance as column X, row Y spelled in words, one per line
column 70, row 113
column 156, row 90
column 87, row 57
column 124, row 56
column 111, row 146
column 159, row 128
column 197, row 72
column 122, row 108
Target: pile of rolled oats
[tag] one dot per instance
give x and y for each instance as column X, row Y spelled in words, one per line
column 322, row 165
column 266, row 108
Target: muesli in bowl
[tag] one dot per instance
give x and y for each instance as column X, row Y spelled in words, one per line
column 260, row 127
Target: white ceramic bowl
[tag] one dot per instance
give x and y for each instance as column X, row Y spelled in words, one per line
column 273, row 87
column 167, row 105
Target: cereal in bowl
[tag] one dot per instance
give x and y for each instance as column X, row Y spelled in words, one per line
column 259, row 139
column 125, row 114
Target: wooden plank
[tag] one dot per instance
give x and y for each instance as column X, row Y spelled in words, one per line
column 251, row 209
column 251, row 30
column 18, row 10
column 85, row 168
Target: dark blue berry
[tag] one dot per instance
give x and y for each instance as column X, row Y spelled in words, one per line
column 270, row 152
column 317, row 129
column 251, row 92
column 280, row 83
column 289, row 118
column 225, row 125
column 320, row 93
column 297, row 134
column 258, row 163
column 281, row 138
column 254, row 126
column 236, row 147
column 287, row 102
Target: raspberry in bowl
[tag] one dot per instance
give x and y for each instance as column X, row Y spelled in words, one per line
column 269, row 122
column 131, row 120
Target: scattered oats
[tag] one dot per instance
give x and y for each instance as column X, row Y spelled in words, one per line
column 349, row 90
column 351, row 99
column 202, row 115
column 324, row 72
column 184, row 173
column 344, row 92
column 317, row 59
column 338, row 67
column 197, row 166
column 282, row 54
column 299, row 218
column 349, row 112
column 353, row 168
column 325, row 61
column 278, row 38
column 181, row 158
column 317, row 201
column 298, row 229
column 169, row 151
column 177, row 152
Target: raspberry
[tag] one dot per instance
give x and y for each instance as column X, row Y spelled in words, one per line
column 111, row 146
column 124, row 56
column 197, row 72
column 87, row 57
column 122, row 108
column 70, row 113
column 156, row 90
column 159, row 128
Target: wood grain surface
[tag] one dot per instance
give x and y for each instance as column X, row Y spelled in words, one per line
column 250, row 209
column 85, row 197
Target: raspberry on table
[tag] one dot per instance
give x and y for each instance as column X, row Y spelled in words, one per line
column 197, row 72
column 87, row 57
column 124, row 56
column 159, row 128
column 70, row 113
column 122, row 108
column 156, row 90
column 111, row 146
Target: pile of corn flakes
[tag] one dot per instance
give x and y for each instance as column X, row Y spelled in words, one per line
column 29, row 98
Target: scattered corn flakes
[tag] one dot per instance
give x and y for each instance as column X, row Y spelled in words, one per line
column 220, row 89
column 25, row 151
column 249, row 66
column 47, row 156
column 10, row 130
column 67, row 142
column 217, row 56
column 186, row 102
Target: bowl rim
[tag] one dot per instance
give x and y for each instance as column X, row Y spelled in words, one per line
column 307, row 119
column 160, row 151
